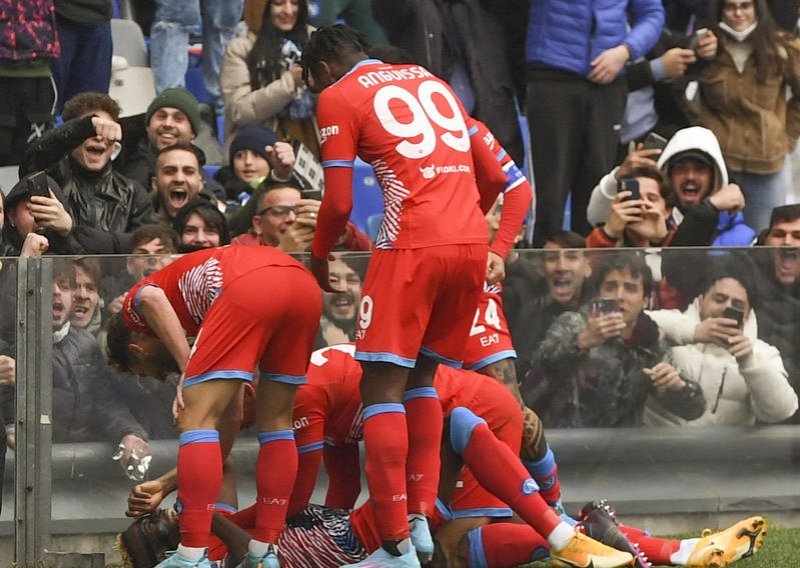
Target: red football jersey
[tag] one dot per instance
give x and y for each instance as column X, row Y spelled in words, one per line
column 410, row 127
column 195, row 281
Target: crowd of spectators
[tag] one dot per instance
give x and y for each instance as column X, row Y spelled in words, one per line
column 603, row 338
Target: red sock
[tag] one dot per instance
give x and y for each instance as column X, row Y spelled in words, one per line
column 245, row 518
column 657, row 550
column 199, row 482
column 424, row 419
column 386, row 444
column 276, row 471
column 506, row 545
column 499, row 471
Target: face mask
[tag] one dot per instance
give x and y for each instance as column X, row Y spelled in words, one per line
column 738, row 36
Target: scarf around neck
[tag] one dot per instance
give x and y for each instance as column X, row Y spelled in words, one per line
column 739, row 36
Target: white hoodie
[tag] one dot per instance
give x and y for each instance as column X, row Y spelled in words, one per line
column 692, row 138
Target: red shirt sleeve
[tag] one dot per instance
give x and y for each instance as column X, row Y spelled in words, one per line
column 134, row 319
column 496, row 172
column 339, row 135
column 598, row 239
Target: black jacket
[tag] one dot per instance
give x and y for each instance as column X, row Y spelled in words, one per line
column 437, row 34
column 85, row 406
column 106, row 207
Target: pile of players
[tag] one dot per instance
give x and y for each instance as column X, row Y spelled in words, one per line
column 420, row 421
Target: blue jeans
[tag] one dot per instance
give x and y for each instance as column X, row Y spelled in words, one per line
column 85, row 62
column 169, row 38
column 762, row 193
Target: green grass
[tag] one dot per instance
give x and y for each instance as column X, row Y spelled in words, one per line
column 781, row 550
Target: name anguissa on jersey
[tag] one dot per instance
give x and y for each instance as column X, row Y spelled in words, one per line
column 390, row 74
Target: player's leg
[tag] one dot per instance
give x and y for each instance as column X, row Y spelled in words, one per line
column 200, row 464
column 499, row 470
column 424, row 419
column 287, row 329
column 398, row 295
column 536, row 454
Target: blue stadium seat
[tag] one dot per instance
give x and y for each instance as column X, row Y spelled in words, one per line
column 374, row 225
column 367, row 196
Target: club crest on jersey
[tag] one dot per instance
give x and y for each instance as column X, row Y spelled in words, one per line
column 428, row 172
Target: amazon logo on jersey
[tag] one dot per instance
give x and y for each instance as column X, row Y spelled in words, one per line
column 326, row 131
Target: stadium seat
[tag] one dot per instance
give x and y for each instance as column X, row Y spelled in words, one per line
column 373, row 225
column 9, row 176
column 367, row 196
column 129, row 42
column 132, row 87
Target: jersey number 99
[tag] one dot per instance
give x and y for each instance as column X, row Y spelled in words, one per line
column 424, row 114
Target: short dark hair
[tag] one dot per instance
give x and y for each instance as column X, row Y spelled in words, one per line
column 191, row 148
column 633, row 262
column 146, row 233
column 784, row 213
column 118, row 337
column 87, row 102
column 271, row 185
column 91, row 266
column 332, row 44
column 664, row 186
column 730, row 268
column 64, row 272
column 567, row 240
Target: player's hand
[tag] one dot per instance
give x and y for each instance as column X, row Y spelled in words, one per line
column 716, row 330
column 145, row 498
column 665, row 377
column 49, row 213
column 600, row 329
column 740, row 346
column 107, row 129
column 729, row 198
column 319, row 268
column 707, row 46
column 639, row 158
column 676, row 60
column 495, row 268
column 8, row 370
column 281, row 156
column 34, row 245
column 623, row 212
column 607, row 65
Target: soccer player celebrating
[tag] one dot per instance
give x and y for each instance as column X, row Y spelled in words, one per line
column 426, row 274
column 217, row 296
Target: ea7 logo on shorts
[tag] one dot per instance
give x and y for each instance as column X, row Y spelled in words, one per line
column 490, row 339
column 415, row 476
column 400, row 497
column 326, row 131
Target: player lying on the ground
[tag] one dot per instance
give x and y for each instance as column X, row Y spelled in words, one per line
column 323, row 537
column 328, row 406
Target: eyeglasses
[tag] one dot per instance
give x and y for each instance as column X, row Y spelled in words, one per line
column 743, row 6
column 278, row 210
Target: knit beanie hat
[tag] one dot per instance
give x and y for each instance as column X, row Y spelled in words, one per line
column 180, row 99
column 253, row 137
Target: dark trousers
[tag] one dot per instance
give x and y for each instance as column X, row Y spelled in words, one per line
column 26, row 110
column 85, row 62
column 574, row 126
